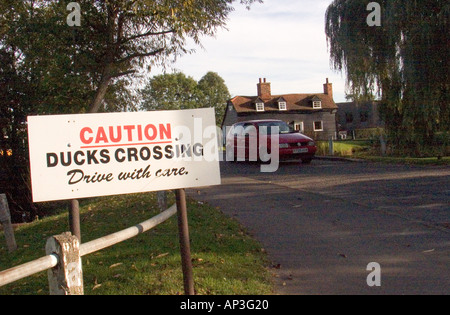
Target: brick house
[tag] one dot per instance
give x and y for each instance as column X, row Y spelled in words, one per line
column 313, row 114
column 352, row 116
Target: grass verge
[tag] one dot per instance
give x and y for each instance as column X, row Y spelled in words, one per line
column 226, row 259
column 432, row 161
column 342, row 148
column 364, row 150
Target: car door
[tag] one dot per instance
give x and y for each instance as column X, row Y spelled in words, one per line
column 247, row 142
column 233, row 139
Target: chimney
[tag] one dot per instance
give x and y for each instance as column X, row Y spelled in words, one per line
column 328, row 89
column 264, row 90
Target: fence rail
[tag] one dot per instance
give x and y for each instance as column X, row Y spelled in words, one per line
column 113, row 239
column 52, row 260
column 28, row 269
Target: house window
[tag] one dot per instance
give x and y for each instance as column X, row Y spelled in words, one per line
column 299, row 126
column 282, row 105
column 364, row 116
column 259, row 107
column 318, row 126
column 349, row 117
column 317, row 104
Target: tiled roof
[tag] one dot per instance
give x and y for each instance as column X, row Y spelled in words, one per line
column 295, row 102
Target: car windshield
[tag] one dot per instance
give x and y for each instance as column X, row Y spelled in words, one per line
column 273, row 125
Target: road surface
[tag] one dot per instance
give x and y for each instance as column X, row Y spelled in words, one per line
column 322, row 224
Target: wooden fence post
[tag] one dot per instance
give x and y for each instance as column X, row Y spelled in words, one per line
column 5, row 220
column 67, row 277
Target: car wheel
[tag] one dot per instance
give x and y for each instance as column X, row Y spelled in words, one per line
column 264, row 156
column 306, row 160
column 230, row 156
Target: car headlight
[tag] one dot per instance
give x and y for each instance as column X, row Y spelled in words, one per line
column 311, row 143
column 284, row 146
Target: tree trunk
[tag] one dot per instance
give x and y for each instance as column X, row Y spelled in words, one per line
column 101, row 90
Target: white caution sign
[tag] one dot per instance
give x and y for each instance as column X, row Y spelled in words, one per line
column 90, row 155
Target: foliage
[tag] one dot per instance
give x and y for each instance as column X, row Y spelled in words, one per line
column 405, row 60
column 214, row 93
column 116, row 39
column 15, row 99
column 49, row 67
column 177, row 91
column 170, row 92
column 372, row 134
column 358, row 97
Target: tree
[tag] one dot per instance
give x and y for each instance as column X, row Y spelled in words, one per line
column 405, row 60
column 117, row 39
column 177, row 91
column 126, row 33
column 52, row 68
column 14, row 106
column 170, row 92
column 214, row 93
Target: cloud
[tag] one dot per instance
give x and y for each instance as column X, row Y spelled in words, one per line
column 281, row 40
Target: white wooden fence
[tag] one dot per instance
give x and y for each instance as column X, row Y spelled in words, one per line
column 63, row 260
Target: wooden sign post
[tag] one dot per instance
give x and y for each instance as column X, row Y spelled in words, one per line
column 5, row 220
column 185, row 246
column 74, row 218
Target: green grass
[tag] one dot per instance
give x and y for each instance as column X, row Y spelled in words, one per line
column 365, row 150
column 408, row 160
column 343, row 148
column 226, row 259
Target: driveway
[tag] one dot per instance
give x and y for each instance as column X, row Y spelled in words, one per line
column 322, row 224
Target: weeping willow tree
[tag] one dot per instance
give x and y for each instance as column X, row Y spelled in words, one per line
column 404, row 61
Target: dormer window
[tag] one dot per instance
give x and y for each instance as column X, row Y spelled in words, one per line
column 260, row 107
column 282, row 104
column 317, row 104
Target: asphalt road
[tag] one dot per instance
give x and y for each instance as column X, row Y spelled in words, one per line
column 322, row 224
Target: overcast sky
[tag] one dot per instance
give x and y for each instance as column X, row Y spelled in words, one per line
column 281, row 40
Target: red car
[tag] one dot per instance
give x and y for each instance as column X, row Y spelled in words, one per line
column 251, row 140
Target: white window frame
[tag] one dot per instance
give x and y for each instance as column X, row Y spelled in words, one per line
column 260, row 107
column 301, row 126
column 317, row 104
column 282, row 106
column 321, row 124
